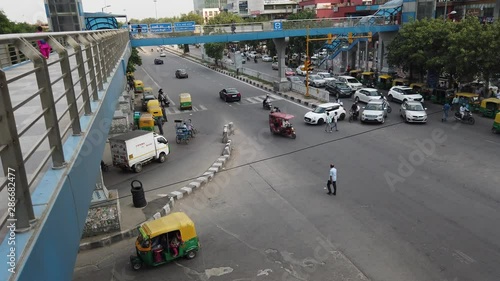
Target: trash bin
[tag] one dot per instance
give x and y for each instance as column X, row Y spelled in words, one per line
column 138, row 197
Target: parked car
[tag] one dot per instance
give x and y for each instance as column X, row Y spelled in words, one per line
column 352, row 82
column 163, row 55
column 318, row 115
column 299, row 70
column 403, row 93
column 230, row 94
column 316, row 81
column 375, row 111
column 366, row 95
column 181, row 73
column 158, row 61
column 294, row 79
column 267, row 58
column 289, row 72
column 327, row 76
column 275, row 66
column 338, row 89
column 413, row 111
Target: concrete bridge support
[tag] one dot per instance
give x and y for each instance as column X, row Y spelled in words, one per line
column 282, row 84
column 385, row 38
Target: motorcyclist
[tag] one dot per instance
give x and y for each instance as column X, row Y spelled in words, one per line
column 462, row 111
column 275, row 109
column 355, row 110
column 265, row 102
column 162, row 98
column 255, row 59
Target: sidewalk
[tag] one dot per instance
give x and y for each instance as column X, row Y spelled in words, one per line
column 132, row 217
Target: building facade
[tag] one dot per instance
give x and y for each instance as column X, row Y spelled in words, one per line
column 65, row 15
column 199, row 5
column 209, row 13
column 270, row 9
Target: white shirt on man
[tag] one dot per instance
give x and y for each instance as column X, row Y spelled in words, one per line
column 333, row 174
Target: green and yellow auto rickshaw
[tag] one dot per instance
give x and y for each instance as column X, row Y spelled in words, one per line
column 185, row 101
column 165, row 239
column 384, row 82
column 400, row 82
column 367, row 77
column 138, row 86
column 422, row 89
column 147, row 122
column 356, row 73
column 496, row 124
column 442, row 96
column 471, row 99
column 489, row 107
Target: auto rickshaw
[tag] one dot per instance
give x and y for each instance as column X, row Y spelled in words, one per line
column 148, row 90
column 471, row 99
column 138, row 86
column 356, row 73
column 147, row 122
column 155, row 109
column 279, row 124
column 496, row 124
column 165, row 239
column 422, row 89
column 490, row 107
column 384, row 82
column 185, row 101
column 442, row 96
column 400, row 82
column 367, row 78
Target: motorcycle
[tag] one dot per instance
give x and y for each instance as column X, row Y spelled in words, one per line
column 353, row 116
column 466, row 119
column 267, row 105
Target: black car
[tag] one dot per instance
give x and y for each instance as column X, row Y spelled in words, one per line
column 145, row 99
column 181, row 73
column 339, row 89
column 230, row 94
column 158, row 61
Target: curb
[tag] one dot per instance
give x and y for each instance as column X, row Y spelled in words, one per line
column 197, row 184
column 254, row 83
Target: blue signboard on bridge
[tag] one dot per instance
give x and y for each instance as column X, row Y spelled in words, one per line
column 184, row 26
column 135, row 28
column 160, row 27
column 278, row 25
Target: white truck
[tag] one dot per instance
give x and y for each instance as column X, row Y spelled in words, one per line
column 132, row 150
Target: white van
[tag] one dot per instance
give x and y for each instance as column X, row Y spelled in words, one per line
column 352, row 82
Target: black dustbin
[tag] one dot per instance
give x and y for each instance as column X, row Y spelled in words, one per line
column 138, row 197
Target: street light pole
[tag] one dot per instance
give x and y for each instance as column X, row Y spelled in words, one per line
column 445, row 13
column 156, row 10
column 107, row 6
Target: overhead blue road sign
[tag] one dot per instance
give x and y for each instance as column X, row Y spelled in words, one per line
column 136, row 27
column 160, row 27
column 184, row 26
column 278, row 25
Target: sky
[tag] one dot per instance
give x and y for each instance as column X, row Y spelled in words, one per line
column 33, row 10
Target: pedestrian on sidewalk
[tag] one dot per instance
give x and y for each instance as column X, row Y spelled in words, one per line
column 335, row 119
column 332, row 181
column 233, row 27
column 446, row 108
column 329, row 120
column 454, row 103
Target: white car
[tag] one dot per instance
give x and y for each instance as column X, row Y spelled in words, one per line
column 254, row 54
column 366, row 95
column 327, row 76
column 316, row 81
column 413, row 112
column 375, row 111
column 163, row 55
column 299, row 70
column 404, row 93
column 275, row 66
column 267, row 58
column 352, row 82
column 318, row 115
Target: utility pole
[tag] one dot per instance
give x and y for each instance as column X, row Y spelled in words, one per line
column 156, row 10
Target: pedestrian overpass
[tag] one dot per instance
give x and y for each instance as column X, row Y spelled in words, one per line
column 55, row 116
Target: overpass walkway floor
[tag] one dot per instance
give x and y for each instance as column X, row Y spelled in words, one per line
column 132, row 217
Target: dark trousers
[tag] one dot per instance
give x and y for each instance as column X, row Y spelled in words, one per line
column 334, row 184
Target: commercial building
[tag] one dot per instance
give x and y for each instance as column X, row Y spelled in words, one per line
column 199, row 5
column 270, row 9
column 65, row 15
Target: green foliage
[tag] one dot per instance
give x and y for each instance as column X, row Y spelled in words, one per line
column 298, row 44
column 302, row 15
column 8, row 27
column 225, row 18
column 134, row 60
column 214, row 50
column 192, row 16
column 464, row 50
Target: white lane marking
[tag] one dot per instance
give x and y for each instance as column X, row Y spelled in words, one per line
column 262, row 90
column 203, row 107
column 493, row 142
column 462, row 257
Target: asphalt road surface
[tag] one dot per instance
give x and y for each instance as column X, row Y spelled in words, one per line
column 414, row 202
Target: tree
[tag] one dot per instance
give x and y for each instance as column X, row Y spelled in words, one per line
column 134, row 60
column 8, row 27
column 192, row 16
column 225, row 18
column 214, row 50
column 298, row 44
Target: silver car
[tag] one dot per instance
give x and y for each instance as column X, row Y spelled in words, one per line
column 413, row 112
column 375, row 111
column 316, row 81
